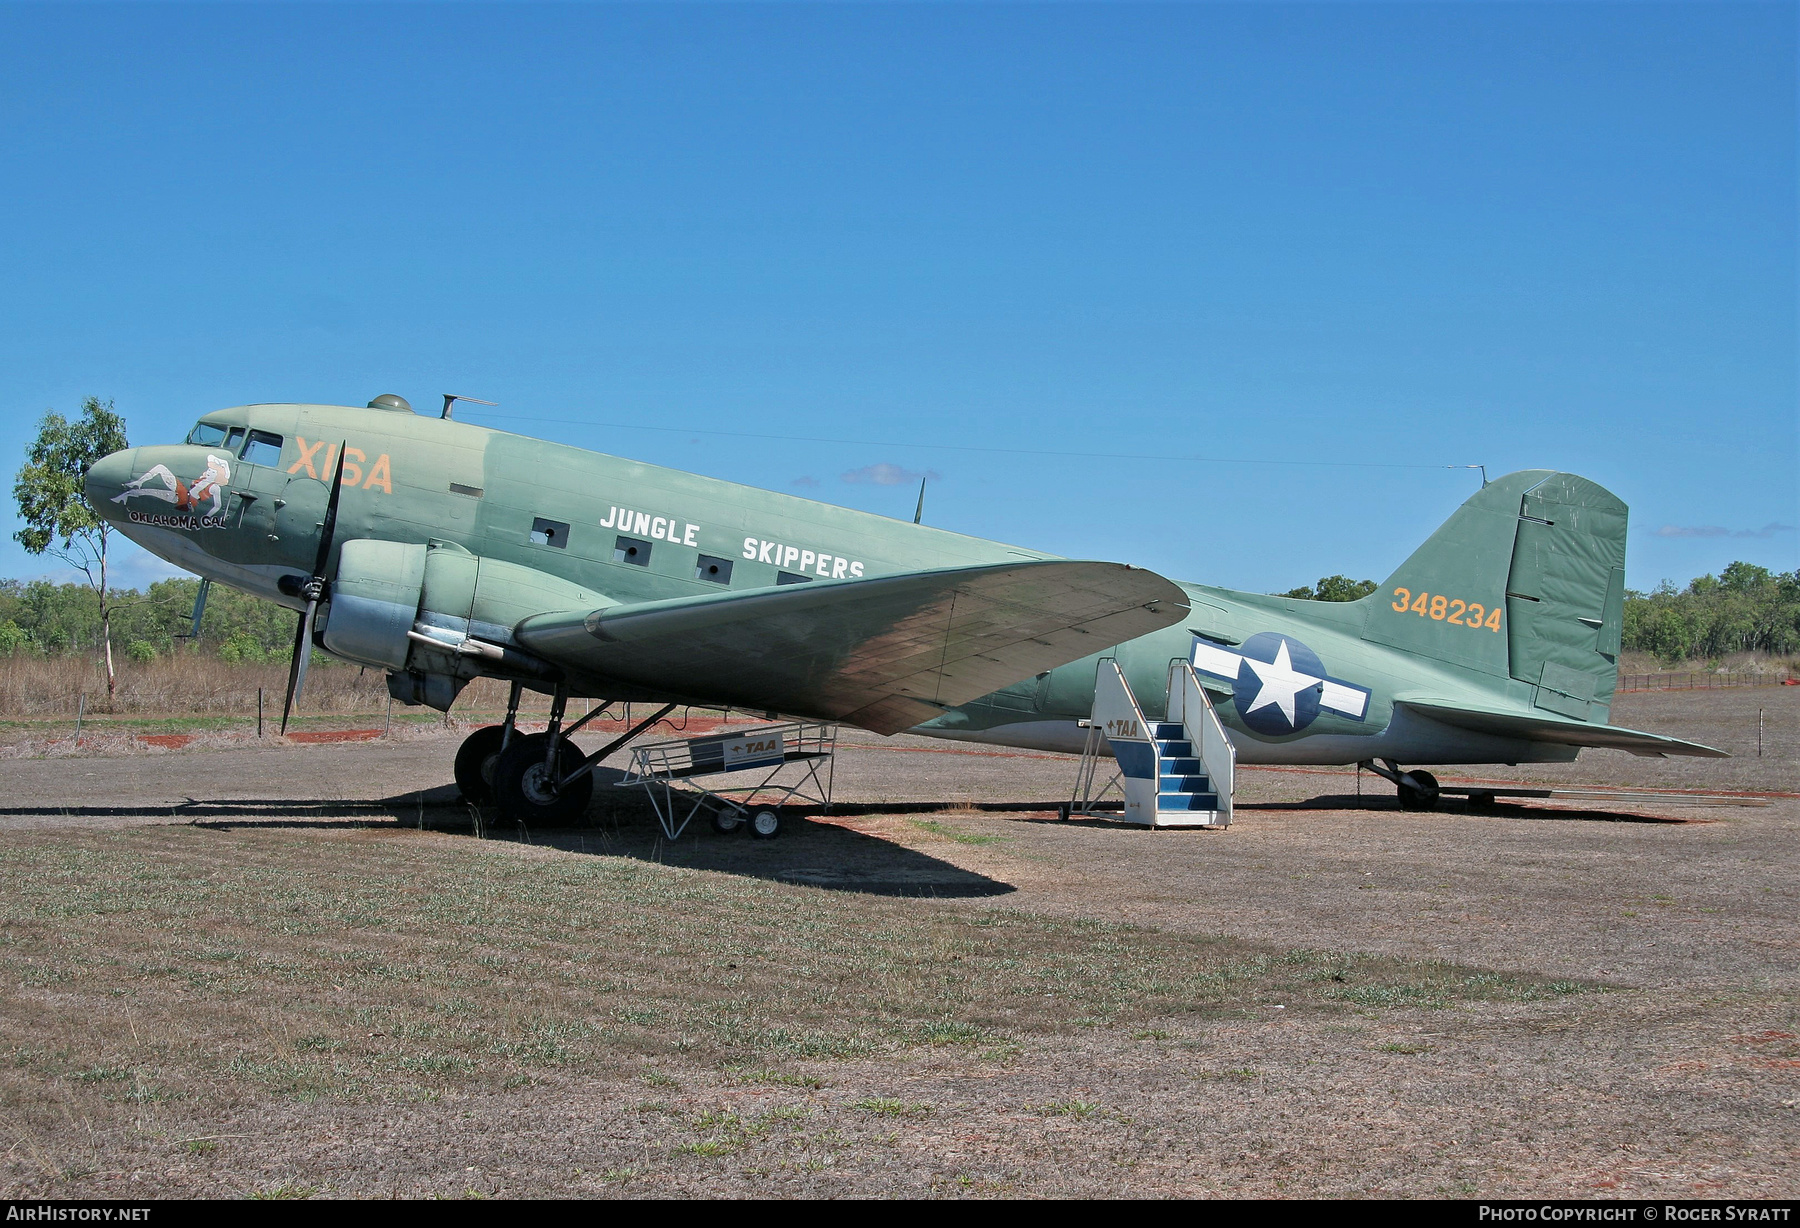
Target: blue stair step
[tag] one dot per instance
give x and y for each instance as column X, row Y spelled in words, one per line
column 1177, row 748
column 1167, row 802
column 1169, row 729
column 1184, row 784
column 1183, row 766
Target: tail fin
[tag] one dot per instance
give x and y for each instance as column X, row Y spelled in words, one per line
column 1527, row 581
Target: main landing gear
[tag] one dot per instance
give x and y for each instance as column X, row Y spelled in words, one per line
column 481, row 750
column 1418, row 789
column 539, row 779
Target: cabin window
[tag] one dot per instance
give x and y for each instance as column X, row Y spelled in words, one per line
column 633, row 550
column 263, row 449
column 789, row 577
column 234, row 439
column 207, row 435
column 712, row 569
column 549, row 533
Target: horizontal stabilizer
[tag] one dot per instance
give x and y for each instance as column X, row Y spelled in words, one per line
column 1544, row 727
column 885, row 653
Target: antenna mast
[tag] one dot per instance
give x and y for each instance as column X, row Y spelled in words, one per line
column 451, row 398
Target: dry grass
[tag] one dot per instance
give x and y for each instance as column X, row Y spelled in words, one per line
column 187, row 683
column 196, row 684
column 162, row 981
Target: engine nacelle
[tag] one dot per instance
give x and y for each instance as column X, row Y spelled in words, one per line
column 375, row 601
column 406, row 608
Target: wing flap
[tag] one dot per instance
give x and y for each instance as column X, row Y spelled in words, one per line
column 1540, row 726
column 884, row 653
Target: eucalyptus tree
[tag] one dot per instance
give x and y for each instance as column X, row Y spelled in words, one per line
column 59, row 520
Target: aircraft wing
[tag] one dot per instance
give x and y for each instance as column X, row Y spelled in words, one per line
column 884, row 653
column 1545, row 727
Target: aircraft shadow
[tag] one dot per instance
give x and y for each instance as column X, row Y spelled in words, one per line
column 1537, row 811
column 619, row 824
column 238, row 811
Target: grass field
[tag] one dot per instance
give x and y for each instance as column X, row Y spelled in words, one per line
column 163, row 981
column 286, row 970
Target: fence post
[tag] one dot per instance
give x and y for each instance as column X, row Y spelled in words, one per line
column 259, row 693
column 80, row 711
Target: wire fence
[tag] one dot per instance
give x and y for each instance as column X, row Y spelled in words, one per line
column 1700, row 680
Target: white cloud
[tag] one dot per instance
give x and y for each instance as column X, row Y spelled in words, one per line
column 1717, row 530
column 884, row 474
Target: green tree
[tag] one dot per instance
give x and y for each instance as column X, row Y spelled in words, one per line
column 1333, row 588
column 1745, row 608
column 52, row 501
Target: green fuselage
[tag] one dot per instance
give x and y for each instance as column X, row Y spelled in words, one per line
column 634, row 532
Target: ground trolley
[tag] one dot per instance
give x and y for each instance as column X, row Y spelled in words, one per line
column 779, row 764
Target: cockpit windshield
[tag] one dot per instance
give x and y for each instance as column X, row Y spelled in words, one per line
column 207, row 435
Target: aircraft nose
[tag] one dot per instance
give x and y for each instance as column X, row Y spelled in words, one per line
column 108, row 477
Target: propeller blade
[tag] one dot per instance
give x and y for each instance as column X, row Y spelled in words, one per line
column 199, row 609
column 314, row 591
column 297, row 667
column 328, row 529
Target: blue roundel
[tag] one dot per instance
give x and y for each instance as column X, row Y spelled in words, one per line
column 1278, row 684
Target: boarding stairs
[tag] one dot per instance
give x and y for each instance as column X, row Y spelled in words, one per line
column 1175, row 772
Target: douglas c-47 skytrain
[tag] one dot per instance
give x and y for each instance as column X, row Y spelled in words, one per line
column 440, row 551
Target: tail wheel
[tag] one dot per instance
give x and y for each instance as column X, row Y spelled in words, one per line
column 765, row 824
column 475, row 760
column 725, row 820
column 529, row 794
column 1418, row 791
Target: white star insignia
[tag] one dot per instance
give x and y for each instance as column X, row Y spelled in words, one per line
column 1280, row 683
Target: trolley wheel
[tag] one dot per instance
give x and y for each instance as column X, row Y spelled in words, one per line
column 1418, row 791
column 528, row 794
column 1481, row 799
column 765, row 824
column 726, row 820
column 475, row 760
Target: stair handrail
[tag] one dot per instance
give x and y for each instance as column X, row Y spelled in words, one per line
column 1110, row 678
column 1113, row 699
column 1217, row 754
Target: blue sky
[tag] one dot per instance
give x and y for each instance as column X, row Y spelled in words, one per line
column 1216, row 289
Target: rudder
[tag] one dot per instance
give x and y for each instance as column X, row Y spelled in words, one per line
column 1565, row 595
column 1525, row 580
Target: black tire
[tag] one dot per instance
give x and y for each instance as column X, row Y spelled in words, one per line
column 765, row 824
column 521, row 789
column 475, row 760
column 1418, row 791
column 725, row 820
column 1482, row 800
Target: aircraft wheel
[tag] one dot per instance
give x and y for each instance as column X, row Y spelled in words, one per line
column 765, row 824
column 475, row 760
column 1481, row 799
column 528, row 795
column 726, row 820
column 1418, row 791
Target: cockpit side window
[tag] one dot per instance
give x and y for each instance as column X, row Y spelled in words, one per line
column 263, row 449
column 234, row 439
column 207, row 435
